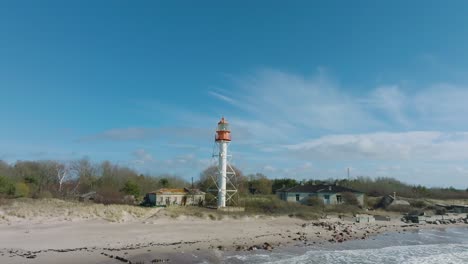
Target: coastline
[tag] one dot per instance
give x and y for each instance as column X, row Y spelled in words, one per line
column 180, row 240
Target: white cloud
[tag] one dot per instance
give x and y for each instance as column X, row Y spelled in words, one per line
column 142, row 157
column 443, row 104
column 392, row 101
column 285, row 102
column 269, row 168
column 281, row 105
column 418, row 146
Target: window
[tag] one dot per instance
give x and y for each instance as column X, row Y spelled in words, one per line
column 339, row 199
column 298, row 196
column 327, row 199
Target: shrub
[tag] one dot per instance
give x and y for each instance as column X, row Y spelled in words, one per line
column 210, row 199
column 350, row 199
column 400, row 208
column 371, row 202
column 441, row 211
column 315, row 201
column 342, row 209
column 272, row 205
column 6, row 186
column 21, row 190
column 109, row 196
column 131, row 188
column 45, row 194
column 419, row 204
column 212, row 217
column 307, row 215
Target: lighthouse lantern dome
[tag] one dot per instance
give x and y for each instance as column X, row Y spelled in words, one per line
column 223, row 131
column 223, row 125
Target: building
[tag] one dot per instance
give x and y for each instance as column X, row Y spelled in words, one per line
column 391, row 201
column 458, row 209
column 166, row 197
column 329, row 193
column 90, row 196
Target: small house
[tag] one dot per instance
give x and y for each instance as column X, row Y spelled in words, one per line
column 90, row 196
column 167, row 196
column 329, row 193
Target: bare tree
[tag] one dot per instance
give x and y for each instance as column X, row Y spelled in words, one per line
column 64, row 173
column 85, row 172
column 206, row 178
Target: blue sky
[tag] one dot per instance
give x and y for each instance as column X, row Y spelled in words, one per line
column 309, row 88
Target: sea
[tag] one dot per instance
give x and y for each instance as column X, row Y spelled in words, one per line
column 438, row 246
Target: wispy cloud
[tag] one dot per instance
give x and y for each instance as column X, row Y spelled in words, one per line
column 286, row 104
column 283, row 122
column 391, row 101
column 300, row 107
column 290, row 117
column 442, row 105
column 142, row 157
column 223, row 98
column 413, row 146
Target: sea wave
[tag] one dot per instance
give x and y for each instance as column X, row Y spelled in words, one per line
column 433, row 246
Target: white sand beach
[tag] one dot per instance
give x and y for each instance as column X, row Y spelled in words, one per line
column 154, row 236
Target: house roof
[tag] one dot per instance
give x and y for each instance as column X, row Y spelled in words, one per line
column 318, row 189
column 175, row 191
column 282, row 189
column 170, row 191
column 87, row 195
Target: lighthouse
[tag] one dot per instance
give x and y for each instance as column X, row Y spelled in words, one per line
column 222, row 138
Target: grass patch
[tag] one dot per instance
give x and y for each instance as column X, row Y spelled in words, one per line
column 344, row 209
column 272, row 205
column 193, row 211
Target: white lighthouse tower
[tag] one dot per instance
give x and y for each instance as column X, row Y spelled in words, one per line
column 222, row 138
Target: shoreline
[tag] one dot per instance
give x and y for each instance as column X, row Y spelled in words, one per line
column 167, row 240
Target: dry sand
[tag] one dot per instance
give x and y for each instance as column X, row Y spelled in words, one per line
column 153, row 237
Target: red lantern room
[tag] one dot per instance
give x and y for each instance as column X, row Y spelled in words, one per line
column 223, row 132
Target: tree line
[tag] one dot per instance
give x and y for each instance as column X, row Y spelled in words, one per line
column 382, row 186
column 44, row 179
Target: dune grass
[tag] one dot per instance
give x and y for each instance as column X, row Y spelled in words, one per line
column 255, row 206
column 71, row 210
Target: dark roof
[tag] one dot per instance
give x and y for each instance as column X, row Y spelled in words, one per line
column 282, row 189
column 318, row 188
column 178, row 191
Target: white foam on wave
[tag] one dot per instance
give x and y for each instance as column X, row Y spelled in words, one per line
column 447, row 258
column 457, row 231
column 254, row 258
column 415, row 254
